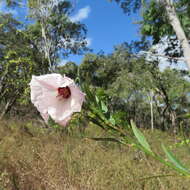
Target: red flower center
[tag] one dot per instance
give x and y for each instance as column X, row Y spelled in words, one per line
column 65, row 92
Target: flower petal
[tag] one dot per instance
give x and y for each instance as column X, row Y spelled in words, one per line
column 60, row 110
column 77, row 98
column 42, row 95
column 66, row 82
column 65, row 121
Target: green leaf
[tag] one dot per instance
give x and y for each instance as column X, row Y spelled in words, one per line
column 97, row 99
column 174, row 160
column 104, row 107
column 88, row 93
column 112, row 120
column 140, row 137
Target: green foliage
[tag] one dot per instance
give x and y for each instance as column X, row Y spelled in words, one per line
column 19, row 60
column 155, row 22
column 70, row 69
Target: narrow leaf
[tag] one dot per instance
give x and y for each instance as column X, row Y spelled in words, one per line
column 96, row 122
column 88, row 92
column 104, row 107
column 97, row 99
column 174, row 160
column 140, row 137
column 112, row 120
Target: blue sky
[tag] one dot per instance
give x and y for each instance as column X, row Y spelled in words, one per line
column 107, row 25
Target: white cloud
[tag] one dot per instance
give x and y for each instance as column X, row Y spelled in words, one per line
column 89, row 41
column 81, row 15
column 63, row 62
column 13, row 12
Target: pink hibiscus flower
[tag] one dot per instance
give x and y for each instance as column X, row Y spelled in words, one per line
column 56, row 96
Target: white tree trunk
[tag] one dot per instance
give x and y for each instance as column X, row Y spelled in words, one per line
column 150, row 97
column 151, row 110
column 177, row 27
column 47, row 45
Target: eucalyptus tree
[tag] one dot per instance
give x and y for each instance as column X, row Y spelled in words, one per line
column 59, row 35
column 163, row 17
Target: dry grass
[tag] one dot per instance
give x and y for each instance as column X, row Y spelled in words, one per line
column 32, row 158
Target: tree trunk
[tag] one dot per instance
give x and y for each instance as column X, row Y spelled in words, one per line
column 173, row 120
column 7, row 107
column 177, row 27
column 47, row 45
column 151, row 94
